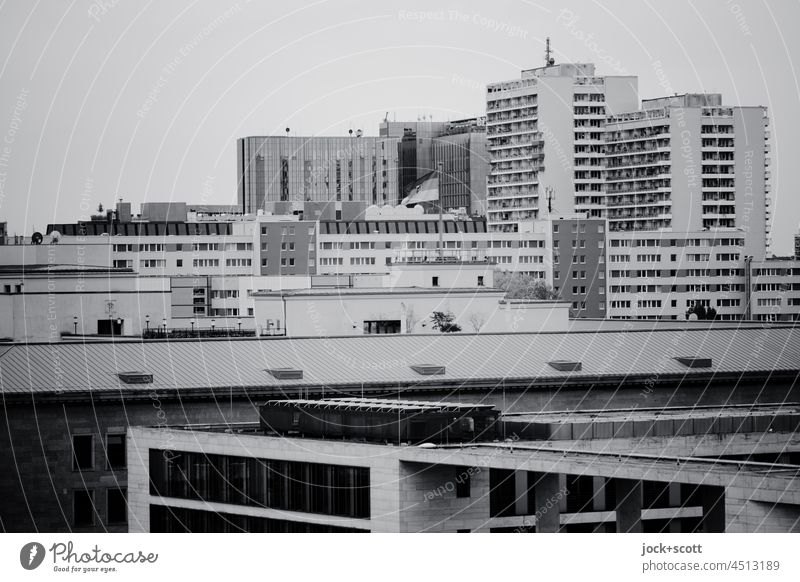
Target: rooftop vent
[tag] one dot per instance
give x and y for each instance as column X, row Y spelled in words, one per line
column 136, row 377
column 428, row 369
column 694, row 362
column 286, row 373
column 566, row 366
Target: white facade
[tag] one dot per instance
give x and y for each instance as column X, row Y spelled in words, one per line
column 687, row 163
column 545, row 134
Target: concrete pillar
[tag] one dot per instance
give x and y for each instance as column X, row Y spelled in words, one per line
column 521, row 493
column 629, row 506
column 547, row 505
column 713, row 509
column 598, row 493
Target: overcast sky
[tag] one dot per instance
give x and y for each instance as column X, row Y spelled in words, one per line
column 144, row 100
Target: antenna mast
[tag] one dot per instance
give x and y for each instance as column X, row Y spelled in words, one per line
column 548, row 59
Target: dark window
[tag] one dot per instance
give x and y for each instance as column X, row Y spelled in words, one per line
column 382, row 326
column 116, row 506
column 83, row 508
column 115, row 451
column 480, row 280
column 462, row 482
column 82, row 452
column 435, row 281
column 287, row 485
column 179, row 263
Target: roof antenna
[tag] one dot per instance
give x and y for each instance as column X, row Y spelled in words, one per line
column 549, row 61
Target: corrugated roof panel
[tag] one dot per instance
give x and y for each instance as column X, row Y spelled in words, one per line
column 385, row 359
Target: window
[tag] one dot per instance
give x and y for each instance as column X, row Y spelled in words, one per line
column 463, row 484
column 179, row 263
column 115, row 451
column 82, row 452
column 82, row 508
column 116, row 506
column 480, row 280
column 383, row 326
column 555, row 228
column 434, row 281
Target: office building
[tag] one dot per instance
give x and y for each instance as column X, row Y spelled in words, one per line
column 317, row 169
column 67, row 469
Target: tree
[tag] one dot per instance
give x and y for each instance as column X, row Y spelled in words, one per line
column 519, row 286
column 444, row 322
column 698, row 310
column 476, row 321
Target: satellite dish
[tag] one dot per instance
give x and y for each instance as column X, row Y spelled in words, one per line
column 36, row 238
column 55, row 237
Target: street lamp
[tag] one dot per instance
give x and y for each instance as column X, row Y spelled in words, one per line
column 191, row 322
column 75, row 324
column 213, row 324
column 147, row 321
column 164, row 323
column 239, row 321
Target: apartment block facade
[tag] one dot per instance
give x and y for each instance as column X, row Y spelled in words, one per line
column 546, row 140
column 688, row 163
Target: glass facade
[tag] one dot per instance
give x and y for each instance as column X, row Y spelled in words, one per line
column 288, row 485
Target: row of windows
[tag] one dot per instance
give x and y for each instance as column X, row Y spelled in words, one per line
column 286, row 230
column 288, row 485
column 83, row 451
column 85, row 510
column 161, row 247
column 580, row 244
column 689, row 242
column 580, row 228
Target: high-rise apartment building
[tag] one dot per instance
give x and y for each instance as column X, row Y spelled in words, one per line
column 546, row 139
column 320, row 169
column 687, row 163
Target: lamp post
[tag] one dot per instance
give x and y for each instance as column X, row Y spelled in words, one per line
column 239, row 321
column 213, row 324
column 191, row 322
column 147, row 321
column 164, row 324
column 75, row 324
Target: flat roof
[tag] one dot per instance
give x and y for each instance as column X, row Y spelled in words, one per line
column 321, row 291
column 381, row 361
column 675, row 413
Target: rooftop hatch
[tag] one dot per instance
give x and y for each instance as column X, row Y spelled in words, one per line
column 136, row 377
column 566, row 365
column 428, row 369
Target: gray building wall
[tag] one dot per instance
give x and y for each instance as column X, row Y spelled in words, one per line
column 287, row 248
column 581, row 271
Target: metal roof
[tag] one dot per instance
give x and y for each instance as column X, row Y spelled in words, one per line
column 384, row 360
column 380, row 405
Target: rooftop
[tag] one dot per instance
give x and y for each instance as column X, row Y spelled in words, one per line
column 384, row 361
column 355, row 291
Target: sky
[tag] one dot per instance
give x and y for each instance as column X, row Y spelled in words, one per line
column 109, row 99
